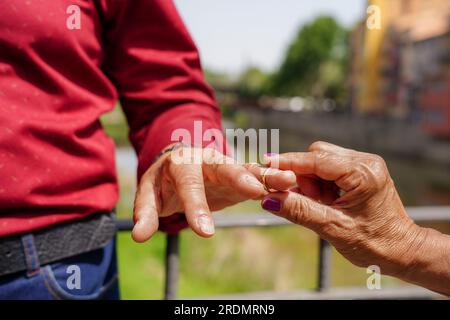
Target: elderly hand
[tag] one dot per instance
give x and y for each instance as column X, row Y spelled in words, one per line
column 349, row 199
column 196, row 182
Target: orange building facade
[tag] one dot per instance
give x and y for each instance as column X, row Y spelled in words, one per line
column 403, row 68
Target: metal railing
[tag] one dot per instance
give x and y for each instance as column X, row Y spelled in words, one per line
column 323, row 291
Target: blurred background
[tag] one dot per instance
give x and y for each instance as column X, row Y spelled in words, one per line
column 315, row 71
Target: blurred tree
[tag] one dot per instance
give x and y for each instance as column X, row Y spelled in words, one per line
column 221, row 81
column 217, row 79
column 315, row 62
column 252, row 82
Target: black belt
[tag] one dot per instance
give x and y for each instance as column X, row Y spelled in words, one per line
column 58, row 242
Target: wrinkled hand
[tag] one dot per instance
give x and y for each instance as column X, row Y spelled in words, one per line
column 349, row 199
column 197, row 186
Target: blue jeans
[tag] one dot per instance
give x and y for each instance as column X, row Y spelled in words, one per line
column 87, row 276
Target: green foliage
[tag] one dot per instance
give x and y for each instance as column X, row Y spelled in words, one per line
column 315, row 62
column 115, row 125
column 241, row 119
column 227, row 112
column 252, row 82
column 215, row 78
column 233, row 261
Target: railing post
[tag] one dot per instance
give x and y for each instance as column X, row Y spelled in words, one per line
column 323, row 280
column 172, row 266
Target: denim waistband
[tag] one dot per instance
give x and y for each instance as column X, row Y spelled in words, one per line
column 28, row 251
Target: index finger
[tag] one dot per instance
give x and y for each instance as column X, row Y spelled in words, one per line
column 325, row 165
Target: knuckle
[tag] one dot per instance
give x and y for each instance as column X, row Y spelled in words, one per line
column 330, row 227
column 191, row 181
column 317, row 145
column 373, row 174
column 378, row 160
column 379, row 172
column 320, row 154
column 367, row 180
column 297, row 211
column 320, row 158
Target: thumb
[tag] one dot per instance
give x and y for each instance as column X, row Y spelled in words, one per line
column 146, row 209
column 300, row 210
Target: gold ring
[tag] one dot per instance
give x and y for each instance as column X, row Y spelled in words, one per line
column 254, row 164
column 263, row 178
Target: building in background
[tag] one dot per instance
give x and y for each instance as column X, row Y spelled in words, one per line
column 403, row 69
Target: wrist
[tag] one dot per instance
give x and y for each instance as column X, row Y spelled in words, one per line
column 407, row 250
column 429, row 263
column 171, row 147
column 413, row 258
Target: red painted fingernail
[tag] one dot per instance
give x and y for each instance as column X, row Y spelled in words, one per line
column 266, row 159
column 270, row 154
column 271, row 204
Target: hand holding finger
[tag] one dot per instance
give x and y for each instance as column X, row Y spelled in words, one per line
column 302, row 210
column 272, row 178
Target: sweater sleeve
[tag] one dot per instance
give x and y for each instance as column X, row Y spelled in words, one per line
column 155, row 66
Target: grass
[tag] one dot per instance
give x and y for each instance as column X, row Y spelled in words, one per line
column 115, row 125
column 233, row 261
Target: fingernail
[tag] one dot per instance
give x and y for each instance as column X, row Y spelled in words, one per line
column 271, row 204
column 270, row 154
column 206, row 224
column 267, row 156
